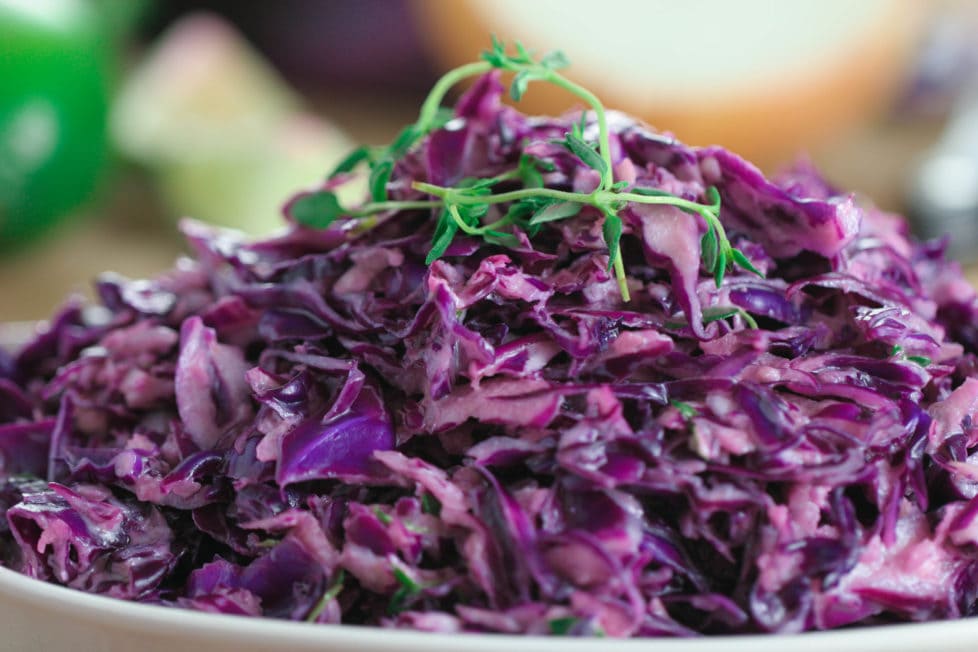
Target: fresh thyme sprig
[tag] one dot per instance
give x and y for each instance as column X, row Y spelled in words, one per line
column 463, row 207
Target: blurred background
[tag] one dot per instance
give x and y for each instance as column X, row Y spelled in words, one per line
column 118, row 117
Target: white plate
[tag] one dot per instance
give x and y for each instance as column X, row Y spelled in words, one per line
column 36, row 616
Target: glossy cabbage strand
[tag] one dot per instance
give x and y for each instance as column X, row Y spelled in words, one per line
column 462, row 207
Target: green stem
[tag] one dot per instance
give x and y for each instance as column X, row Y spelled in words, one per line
column 453, row 196
column 748, row 319
column 678, row 202
column 599, row 199
column 379, row 207
column 429, row 110
column 604, row 139
column 621, row 278
column 505, row 176
column 438, row 92
column 471, row 230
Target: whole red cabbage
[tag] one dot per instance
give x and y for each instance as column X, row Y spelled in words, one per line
column 321, row 426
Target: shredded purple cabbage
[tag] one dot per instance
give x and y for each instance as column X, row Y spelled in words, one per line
column 320, row 426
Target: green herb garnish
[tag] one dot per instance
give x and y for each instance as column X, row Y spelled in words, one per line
column 922, row 360
column 563, row 626
column 407, row 589
column 560, row 626
column 329, row 594
column 383, row 516
column 462, row 207
column 685, row 409
column 718, row 313
column 430, row 504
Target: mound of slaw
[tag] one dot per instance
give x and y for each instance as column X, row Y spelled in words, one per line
column 322, row 426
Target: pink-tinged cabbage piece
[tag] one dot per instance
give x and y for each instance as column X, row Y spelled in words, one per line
column 320, row 426
column 87, row 539
column 211, row 392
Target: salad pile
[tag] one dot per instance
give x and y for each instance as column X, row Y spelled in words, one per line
column 554, row 376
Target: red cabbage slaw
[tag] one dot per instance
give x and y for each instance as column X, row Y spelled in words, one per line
column 320, row 426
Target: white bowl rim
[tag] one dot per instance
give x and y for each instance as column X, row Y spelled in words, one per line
column 227, row 629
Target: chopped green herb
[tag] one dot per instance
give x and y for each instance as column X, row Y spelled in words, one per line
column 383, row 516
column 329, row 594
column 922, row 360
column 407, row 589
column 430, row 504
column 561, row 626
column 685, row 409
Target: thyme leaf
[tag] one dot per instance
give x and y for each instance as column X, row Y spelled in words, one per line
column 611, row 230
column 556, row 211
column 579, row 148
column 317, row 210
column 351, row 161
